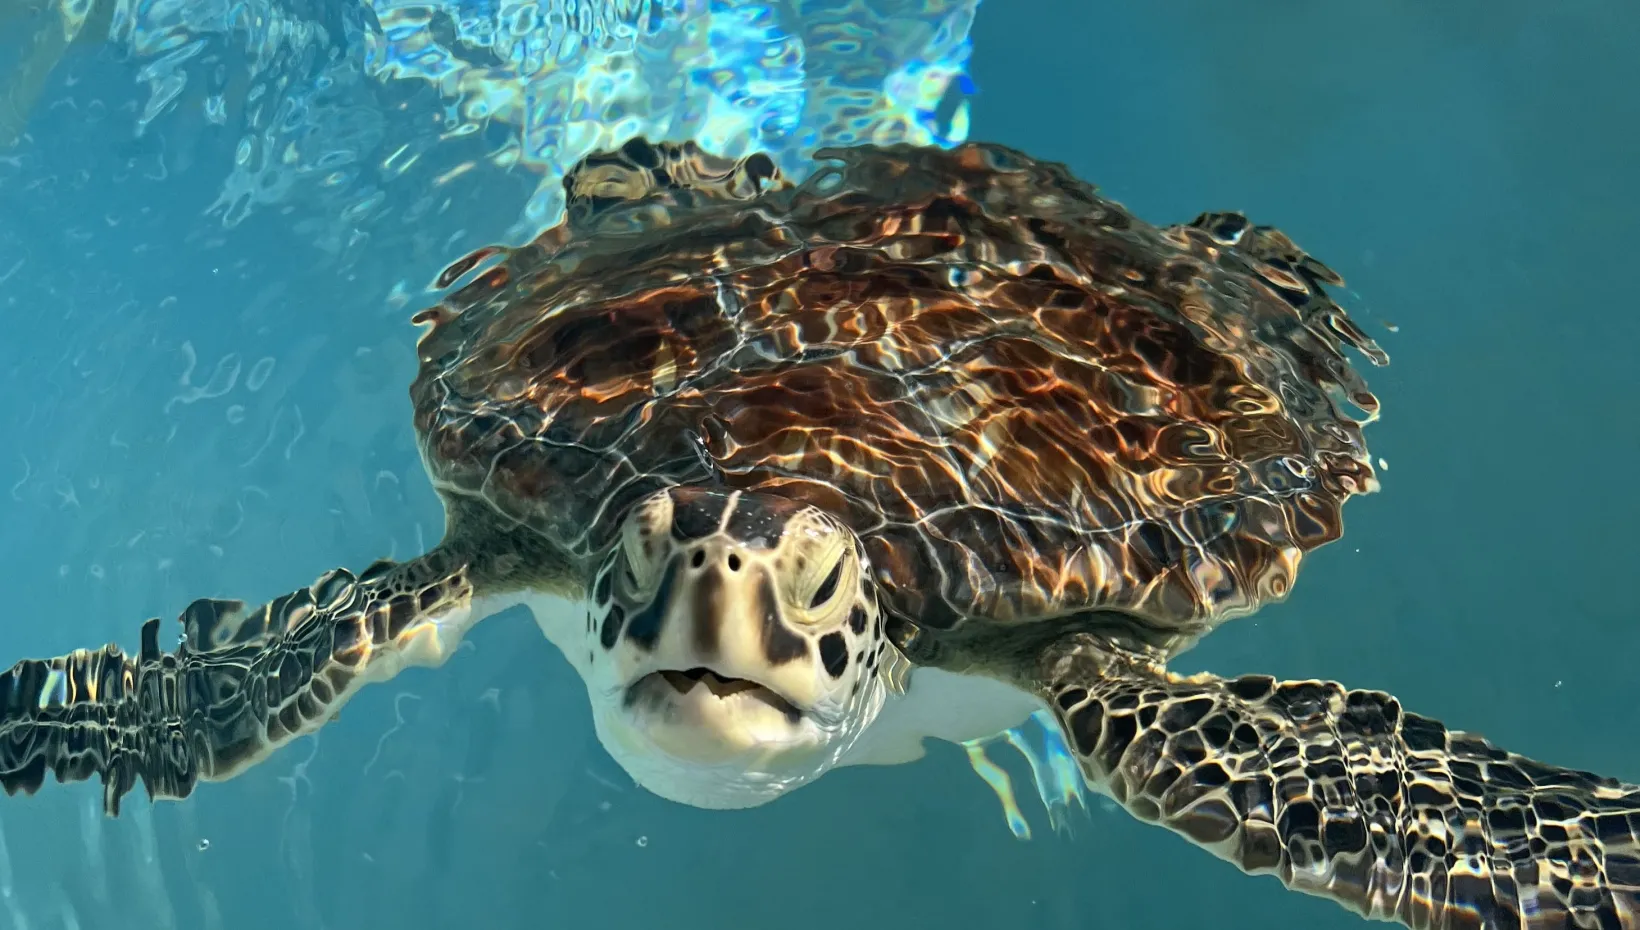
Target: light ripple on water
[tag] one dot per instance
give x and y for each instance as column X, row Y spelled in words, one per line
column 334, row 112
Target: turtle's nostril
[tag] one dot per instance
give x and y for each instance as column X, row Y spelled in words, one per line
column 699, row 558
column 734, row 562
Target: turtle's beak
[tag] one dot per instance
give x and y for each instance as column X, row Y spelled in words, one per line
column 699, row 716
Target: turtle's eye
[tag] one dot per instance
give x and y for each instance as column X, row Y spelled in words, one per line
column 828, row 588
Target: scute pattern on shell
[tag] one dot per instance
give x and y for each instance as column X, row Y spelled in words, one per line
column 1027, row 402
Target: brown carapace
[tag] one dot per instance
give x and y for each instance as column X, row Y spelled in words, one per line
column 1026, row 402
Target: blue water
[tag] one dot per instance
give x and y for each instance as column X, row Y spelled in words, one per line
column 216, row 223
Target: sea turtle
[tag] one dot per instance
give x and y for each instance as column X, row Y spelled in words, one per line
column 797, row 475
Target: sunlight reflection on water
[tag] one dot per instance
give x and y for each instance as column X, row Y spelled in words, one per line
column 342, row 105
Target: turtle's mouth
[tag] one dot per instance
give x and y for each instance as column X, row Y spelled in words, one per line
column 724, row 688
column 700, row 716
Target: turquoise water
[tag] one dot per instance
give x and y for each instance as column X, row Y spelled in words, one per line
column 204, row 362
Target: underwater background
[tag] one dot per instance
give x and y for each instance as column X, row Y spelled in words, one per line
column 216, row 220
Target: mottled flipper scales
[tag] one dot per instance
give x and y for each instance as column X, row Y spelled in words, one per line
column 240, row 684
column 1343, row 794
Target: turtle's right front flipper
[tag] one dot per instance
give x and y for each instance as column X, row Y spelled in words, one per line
column 239, row 685
column 1342, row 793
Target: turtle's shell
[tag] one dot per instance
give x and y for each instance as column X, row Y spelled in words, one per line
column 1027, row 402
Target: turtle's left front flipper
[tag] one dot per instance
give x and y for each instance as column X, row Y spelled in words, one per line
column 1343, row 794
column 239, row 685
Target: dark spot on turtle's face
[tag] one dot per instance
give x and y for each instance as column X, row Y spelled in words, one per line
column 709, row 601
column 780, row 644
column 857, row 620
column 600, row 591
column 834, row 654
column 645, row 626
column 611, row 631
column 697, row 512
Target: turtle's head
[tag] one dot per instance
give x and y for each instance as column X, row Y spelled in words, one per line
column 738, row 649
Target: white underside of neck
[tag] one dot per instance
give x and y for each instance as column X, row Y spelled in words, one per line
column 940, row 705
